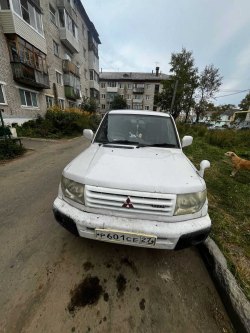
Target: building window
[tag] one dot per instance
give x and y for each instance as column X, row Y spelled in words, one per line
column 139, row 85
column 66, row 21
column 103, row 96
column 128, row 106
column 138, row 107
column 28, row 98
column 61, row 103
column 67, row 56
column 91, row 75
column 122, row 96
column 146, row 107
column 71, row 26
column 128, row 96
column 29, row 13
column 52, row 14
column 83, row 30
column 4, row 4
column 49, row 101
column 157, row 88
column 84, row 52
column 103, row 107
column 56, row 48
column 22, row 51
column 61, row 18
column 121, row 86
column 112, row 84
column 2, row 95
column 148, row 86
column 103, row 85
column 147, row 97
column 59, row 78
column 129, row 85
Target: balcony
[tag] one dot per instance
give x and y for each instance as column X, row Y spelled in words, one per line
column 94, row 85
column 27, row 75
column 69, row 40
column 64, row 4
column 112, row 89
column 138, row 91
column 69, row 67
column 14, row 24
column 71, row 92
column 137, row 100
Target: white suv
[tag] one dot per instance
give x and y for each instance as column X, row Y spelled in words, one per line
column 134, row 185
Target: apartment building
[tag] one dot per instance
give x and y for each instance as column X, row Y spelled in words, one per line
column 138, row 89
column 48, row 55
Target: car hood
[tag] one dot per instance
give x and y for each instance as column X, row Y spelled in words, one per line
column 149, row 169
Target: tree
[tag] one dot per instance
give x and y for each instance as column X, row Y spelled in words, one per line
column 224, row 107
column 118, row 103
column 208, row 84
column 215, row 116
column 89, row 104
column 245, row 103
column 181, row 85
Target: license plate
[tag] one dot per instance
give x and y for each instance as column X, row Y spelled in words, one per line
column 125, row 237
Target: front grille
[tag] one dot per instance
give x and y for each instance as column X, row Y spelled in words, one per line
column 139, row 202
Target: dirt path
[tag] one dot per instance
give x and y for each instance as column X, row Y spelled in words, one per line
column 52, row 281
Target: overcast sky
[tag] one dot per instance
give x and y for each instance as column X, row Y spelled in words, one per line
column 135, row 34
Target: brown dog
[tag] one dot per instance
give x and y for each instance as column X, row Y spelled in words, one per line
column 238, row 163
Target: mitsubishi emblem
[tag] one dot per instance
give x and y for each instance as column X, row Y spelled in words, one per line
column 128, row 203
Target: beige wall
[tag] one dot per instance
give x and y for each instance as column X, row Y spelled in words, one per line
column 149, row 89
column 51, row 32
column 11, row 88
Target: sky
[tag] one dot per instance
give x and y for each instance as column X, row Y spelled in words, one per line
column 137, row 35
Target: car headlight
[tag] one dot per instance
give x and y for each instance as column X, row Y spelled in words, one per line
column 72, row 190
column 190, row 203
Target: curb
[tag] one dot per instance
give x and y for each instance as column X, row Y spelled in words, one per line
column 233, row 298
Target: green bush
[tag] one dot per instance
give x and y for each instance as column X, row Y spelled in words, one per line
column 10, row 149
column 59, row 124
column 4, row 131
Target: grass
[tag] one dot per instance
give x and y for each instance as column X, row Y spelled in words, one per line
column 229, row 204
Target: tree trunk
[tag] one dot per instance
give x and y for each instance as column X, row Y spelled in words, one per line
column 197, row 117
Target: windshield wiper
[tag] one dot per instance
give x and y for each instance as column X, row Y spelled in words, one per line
column 125, row 142
column 164, row 145
column 103, row 142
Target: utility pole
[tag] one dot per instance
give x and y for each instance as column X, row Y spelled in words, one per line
column 174, row 94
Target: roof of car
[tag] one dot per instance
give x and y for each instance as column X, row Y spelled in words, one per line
column 140, row 112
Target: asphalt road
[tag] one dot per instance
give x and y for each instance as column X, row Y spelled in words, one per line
column 52, row 281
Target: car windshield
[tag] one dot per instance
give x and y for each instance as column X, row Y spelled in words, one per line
column 141, row 130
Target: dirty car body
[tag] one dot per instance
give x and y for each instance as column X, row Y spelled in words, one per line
column 134, row 185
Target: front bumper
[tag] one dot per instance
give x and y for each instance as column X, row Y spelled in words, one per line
column 172, row 235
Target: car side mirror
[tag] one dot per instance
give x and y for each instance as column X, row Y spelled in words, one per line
column 203, row 165
column 187, row 141
column 88, row 134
